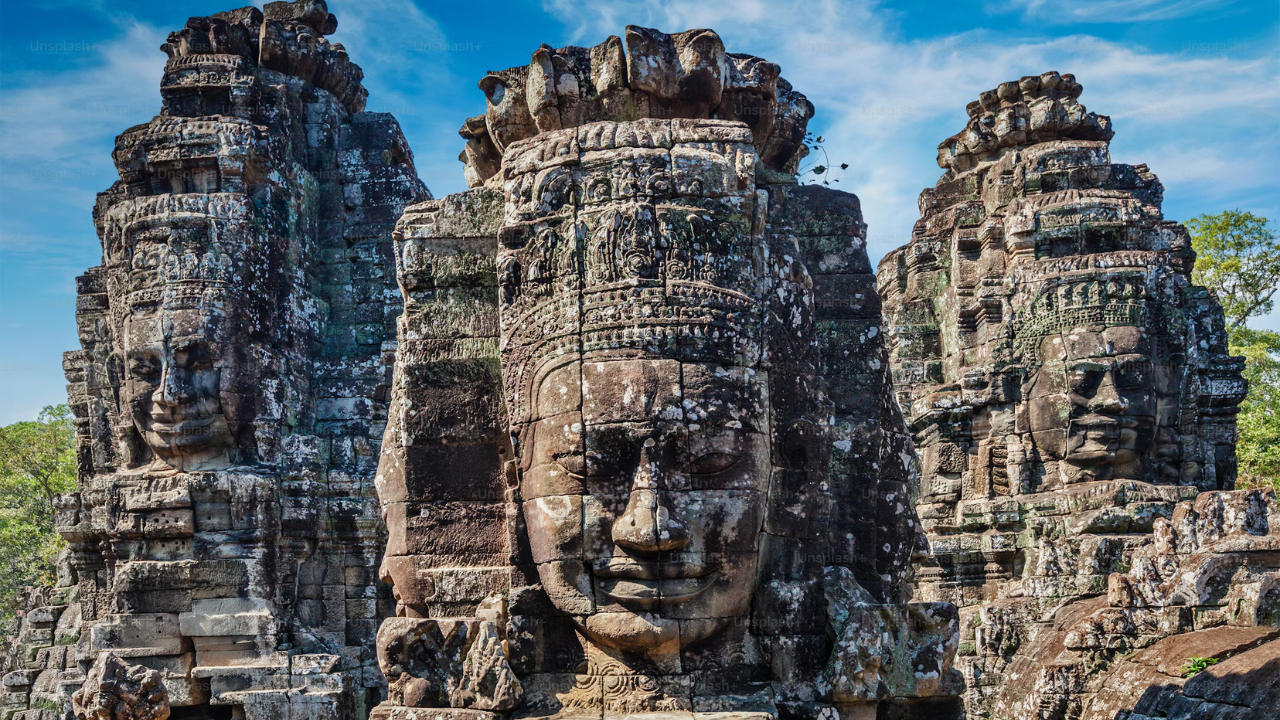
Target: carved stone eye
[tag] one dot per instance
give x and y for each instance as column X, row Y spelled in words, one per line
column 143, row 368
column 1085, row 377
column 712, row 463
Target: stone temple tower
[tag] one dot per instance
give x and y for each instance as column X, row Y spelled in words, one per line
column 642, row 455
column 1065, row 383
column 231, row 390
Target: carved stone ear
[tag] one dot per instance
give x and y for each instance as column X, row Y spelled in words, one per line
column 540, row 91
column 494, row 89
column 801, row 445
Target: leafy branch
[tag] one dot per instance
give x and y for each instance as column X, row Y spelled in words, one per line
column 1238, row 260
column 819, row 170
column 37, row 462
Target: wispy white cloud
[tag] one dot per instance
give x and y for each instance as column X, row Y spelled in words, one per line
column 56, row 134
column 1205, row 123
column 1109, row 11
column 1200, row 120
column 398, row 46
column 54, row 126
column 406, row 58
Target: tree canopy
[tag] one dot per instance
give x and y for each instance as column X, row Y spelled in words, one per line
column 37, row 462
column 1238, row 260
column 1258, row 424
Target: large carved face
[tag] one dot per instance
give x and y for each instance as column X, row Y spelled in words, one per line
column 644, row 491
column 1092, row 404
column 173, row 387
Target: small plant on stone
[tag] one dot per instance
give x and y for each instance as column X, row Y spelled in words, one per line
column 1196, row 665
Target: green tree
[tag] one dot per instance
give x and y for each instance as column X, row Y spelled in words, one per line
column 37, row 462
column 1238, row 260
column 1258, row 448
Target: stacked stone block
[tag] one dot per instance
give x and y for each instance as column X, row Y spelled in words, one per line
column 1207, row 586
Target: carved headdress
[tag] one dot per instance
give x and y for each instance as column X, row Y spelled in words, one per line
column 645, row 74
column 1116, row 296
column 181, row 252
column 631, row 239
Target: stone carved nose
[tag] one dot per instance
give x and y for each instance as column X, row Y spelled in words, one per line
column 1107, row 399
column 649, row 524
column 174, row 389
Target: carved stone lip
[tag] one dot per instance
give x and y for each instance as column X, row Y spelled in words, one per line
column 1104, row 422
column 641, row 570
column 1091, row 457
column 649, row 593
column 182, row 427
column 1102, row 439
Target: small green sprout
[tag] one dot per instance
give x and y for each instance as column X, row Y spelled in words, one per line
column 1196, row 665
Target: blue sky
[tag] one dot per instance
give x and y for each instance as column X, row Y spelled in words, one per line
column 1190, row 85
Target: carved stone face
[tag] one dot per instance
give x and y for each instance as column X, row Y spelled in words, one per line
column 644, row 492
column 173, row 387
column 1093, row 403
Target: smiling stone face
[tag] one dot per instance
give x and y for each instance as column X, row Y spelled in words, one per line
column 1103, row 372
column 1093, row 403
column 655, row 489
column 173, row 387
column 187, row 329
column 630, row 294
column 644, row 493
